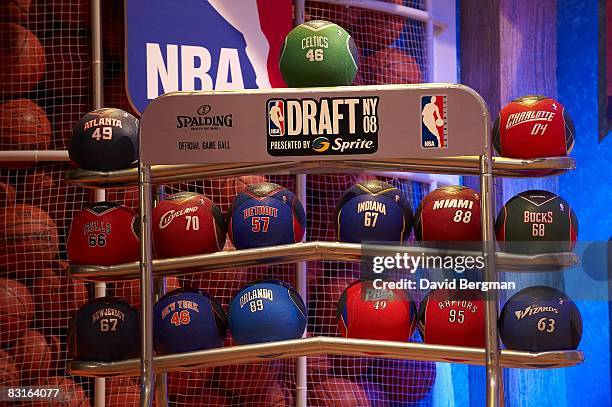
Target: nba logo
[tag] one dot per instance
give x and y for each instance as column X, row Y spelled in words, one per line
column 276, row 117
column 434, row 129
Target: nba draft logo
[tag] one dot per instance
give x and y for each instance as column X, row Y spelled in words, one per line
column 276, row 118
column 434, row 131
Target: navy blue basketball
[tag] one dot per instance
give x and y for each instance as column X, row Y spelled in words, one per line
column 105, row 329
column 269, row 310
column 266, row 214
column 373, row 211
column 540, row 319
column 186, row 320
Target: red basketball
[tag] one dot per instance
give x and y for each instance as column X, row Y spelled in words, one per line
column 14, row 11
column 16, row 310
column 186, row 224
column 404, row 381
column 9, row 373
column 391, row 66
column 23, row 126
column 73, row 394
column 29, row 234
column 337, row 392
column 22, row 60
column 32, row 355
column 365, row 312
column 57, row 298
column 449, row 213
column 104, row 234
column 453, row 317
column 533, row 126
column 374, row 30
column 68, row 63
column 7, row 195
column 277, row 395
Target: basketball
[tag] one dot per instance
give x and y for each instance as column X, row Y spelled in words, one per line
column 373, row 211
column 105, row 140
column 23, row 126
column 318, row 53
column 534, row 222
column 365, row 312
column 105, row 329
column 29, row 235
column 9, row 373
column 450, row 213
column 266, row 214
column 14, row 11
column 533, row 126
column 391, row 66
column 453, row 317
column 374, row 30
column 104, row 234
column 186, row 320
column 57, row 297
column 186, row 224
column 32, row 355
column 269, row 310
column 404, row 381
column 16, row 310
column 22, row 60
column 7, row 195
column 72, row 393
column 540, row 319
column 337, row 392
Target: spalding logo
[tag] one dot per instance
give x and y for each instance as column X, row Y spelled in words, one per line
column 169, row 216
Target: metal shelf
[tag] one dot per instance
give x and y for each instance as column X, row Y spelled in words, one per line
column 327, row 345
column 307, row 251
column 465, row 165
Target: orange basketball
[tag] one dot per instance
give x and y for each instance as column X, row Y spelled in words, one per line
column 391, row 66
column 337, row 392
column 16, row 310
column 373, row 30
column 9, row 373
column 7, row 195
column 22, row 60
column 32, row 355
column 27, row 233
column 23, row 126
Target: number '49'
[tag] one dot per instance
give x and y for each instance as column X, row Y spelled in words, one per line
column 103, row 133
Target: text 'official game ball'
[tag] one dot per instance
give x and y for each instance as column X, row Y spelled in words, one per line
column 450, row 213
column 366, row 312
column 105, row 140
column 536, row 222
column 533, row 126
column 373, row 211
column 269, row 310
column 540, row 319
column 104, row 234
column 266, row 214
column 105, row 329
column 185, row 320
column 453, row 317
column 185, row 224
column 318, row 53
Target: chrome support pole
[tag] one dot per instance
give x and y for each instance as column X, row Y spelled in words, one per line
column 146, row 289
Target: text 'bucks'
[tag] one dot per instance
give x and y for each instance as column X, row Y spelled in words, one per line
column 332, row 116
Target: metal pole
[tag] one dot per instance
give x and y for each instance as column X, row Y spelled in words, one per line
column 492, row 341
column 146, row 288
column 99, row 291
column 429, row 39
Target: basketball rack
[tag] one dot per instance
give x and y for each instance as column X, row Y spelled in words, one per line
column 398, row 147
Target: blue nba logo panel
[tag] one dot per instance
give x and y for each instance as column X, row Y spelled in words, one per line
column 434, row 132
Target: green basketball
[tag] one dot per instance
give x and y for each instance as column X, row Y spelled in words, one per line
column 318, row 53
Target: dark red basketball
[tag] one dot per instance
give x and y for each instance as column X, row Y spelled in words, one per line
column 16, row 310
column 450, row 213
column 374, row 30
column 391, row 66
column 22, row 60
column 9, row 373
column 23, row 126
column 337, row 392
column 186, row 224
column 14, row 11
column 536, row 221
column 367, row 312
column 104, row 234
column 533, row 126
column 28, row 234
column 33, row 356
column 453, row 317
